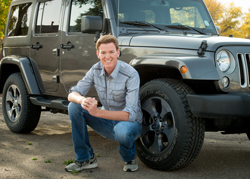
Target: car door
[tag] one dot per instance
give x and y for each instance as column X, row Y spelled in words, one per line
column 78, row 53
column 45, row 44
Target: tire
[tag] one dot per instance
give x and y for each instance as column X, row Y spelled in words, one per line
column 248, row 135
column 171, row 135
column 20, row 115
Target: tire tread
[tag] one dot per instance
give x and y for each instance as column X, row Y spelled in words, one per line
column 32, row 113
column 196, row 126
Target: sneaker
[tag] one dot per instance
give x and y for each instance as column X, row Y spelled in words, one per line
column 78, row 166
column 130, row 166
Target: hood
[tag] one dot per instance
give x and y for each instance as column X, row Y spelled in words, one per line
column 181, row 42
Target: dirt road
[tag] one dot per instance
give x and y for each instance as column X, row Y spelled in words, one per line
column 24, row 156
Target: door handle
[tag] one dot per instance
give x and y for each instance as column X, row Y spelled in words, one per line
column 67, row 46
column 36, row 46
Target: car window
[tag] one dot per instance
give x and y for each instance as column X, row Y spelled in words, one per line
column 164, row 13
column 81, row 8
column 187, row 16
column 19, row 20
column 48, row 17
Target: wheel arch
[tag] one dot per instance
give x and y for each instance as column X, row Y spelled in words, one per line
column 13, row 64
column 168, row 66
column 156, row 71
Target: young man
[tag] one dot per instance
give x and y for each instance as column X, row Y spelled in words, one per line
column 117, row 85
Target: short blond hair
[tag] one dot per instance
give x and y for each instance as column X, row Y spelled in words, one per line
column 107, row 39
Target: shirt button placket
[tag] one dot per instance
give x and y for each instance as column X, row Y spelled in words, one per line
column 108, row 93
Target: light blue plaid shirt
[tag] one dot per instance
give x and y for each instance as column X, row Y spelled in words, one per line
column 118, row 92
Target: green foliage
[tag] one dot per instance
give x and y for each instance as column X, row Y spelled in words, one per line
column 34, row 159
column 47, row 161
column 29, row 143
column 74, row 172
column 69, row 161
column 4, row 8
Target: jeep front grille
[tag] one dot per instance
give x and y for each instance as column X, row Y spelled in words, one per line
column 244, row 68
column 248, row 67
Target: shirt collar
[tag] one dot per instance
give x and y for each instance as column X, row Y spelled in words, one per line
column 115, row 71
column 102, row 69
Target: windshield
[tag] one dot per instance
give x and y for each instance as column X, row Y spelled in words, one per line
column 169, row 15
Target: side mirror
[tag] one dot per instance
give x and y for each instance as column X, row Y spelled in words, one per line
column 91, row 24
column 218, row 29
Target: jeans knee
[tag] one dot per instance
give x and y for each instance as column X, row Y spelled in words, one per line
column 72, row 106
column 123, row 137
column 74, row 109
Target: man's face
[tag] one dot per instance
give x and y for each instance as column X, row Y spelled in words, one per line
column 108, row 55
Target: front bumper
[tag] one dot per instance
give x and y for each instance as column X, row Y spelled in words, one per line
column 231, row 105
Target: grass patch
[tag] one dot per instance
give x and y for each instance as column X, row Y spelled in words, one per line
column 74, row 172
column 34, row 159
column 29, row 143
column 47, row 161
column 69, row 161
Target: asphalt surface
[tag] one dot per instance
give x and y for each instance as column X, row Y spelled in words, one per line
column 222, row 156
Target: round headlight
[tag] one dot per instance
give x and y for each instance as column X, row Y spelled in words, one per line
column 223, row 60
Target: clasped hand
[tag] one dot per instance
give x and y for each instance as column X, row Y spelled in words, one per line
column 90, row 104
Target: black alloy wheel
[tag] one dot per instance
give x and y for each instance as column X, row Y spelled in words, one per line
column 19, row 113
column 171, row 136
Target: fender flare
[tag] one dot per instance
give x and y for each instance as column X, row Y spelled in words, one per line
column 198, row 68
column 26, row 70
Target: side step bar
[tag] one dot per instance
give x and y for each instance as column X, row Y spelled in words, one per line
column 57, row 104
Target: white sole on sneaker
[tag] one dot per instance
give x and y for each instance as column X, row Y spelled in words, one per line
column 91, row 166
column 130, row 170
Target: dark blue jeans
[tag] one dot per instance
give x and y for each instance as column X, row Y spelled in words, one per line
column 124, row 132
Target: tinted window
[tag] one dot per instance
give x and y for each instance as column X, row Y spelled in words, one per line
column 81, row 8
column 19, row 20
column 48, row 17
column 166, row 14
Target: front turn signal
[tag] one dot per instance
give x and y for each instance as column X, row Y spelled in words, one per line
column 183, row 69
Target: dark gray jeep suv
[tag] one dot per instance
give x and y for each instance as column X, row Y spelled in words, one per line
column 192, row 80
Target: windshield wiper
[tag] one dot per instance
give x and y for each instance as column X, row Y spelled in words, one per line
column 140, row 23
column 179, row 26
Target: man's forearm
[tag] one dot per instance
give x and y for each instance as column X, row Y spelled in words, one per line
column 75, row 97
column 113, row 115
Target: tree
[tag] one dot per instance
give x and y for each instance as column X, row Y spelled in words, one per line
column 4, row 8
column 230, row 21
column 245, row 27
column 227, row 18
column 216, row 9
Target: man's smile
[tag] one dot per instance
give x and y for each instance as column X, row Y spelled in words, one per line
column 108, row 61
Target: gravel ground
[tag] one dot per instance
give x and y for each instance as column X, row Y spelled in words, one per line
column 222, row 156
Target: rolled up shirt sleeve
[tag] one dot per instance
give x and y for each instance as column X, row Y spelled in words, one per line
column 133, row 106
column 84, row 85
